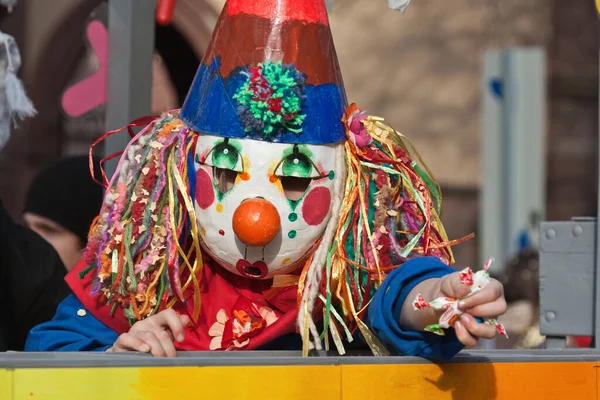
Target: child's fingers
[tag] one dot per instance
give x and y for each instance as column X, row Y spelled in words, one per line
column 155, row 344
column 453, row 287
column 185, row 320
column 489, row 310
column 166, row 341
column 464, row 336
column 128, row 342
column 489, row 294
column 476, row 329
column 170, row 320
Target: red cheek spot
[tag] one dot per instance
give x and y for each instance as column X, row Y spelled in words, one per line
column 316, row 205
column 205, row 195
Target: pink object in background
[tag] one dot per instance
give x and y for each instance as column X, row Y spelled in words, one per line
column 91, row 92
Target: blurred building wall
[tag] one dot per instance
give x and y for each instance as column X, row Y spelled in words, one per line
column 573, row 133
column 420, row 70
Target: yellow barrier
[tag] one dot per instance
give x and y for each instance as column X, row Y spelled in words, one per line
column 463, row 381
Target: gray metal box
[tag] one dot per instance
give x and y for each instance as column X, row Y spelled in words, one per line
column 567, row 263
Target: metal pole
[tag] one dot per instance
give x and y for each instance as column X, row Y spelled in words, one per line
column 513, row 128
column 131, row 47
column 491, row 199
column 597, row 263
column 524, row 145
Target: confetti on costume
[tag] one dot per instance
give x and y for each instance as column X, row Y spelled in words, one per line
column 343, row 199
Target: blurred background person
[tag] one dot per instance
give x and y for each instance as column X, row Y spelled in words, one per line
column 31, row 282
column 61, row 204
column 521, row 282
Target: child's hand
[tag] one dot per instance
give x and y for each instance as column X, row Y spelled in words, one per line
column 487, row 303
column 154, row 335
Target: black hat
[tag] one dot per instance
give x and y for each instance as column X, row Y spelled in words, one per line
column 66, row 194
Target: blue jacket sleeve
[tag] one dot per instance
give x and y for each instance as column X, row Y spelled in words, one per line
column 384, row 312
column 73, row 328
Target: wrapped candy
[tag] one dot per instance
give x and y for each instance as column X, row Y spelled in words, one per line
column 476, row 282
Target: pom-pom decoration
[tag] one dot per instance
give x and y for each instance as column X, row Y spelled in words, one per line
column 270, row 100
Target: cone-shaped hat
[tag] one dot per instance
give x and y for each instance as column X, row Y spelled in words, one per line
column 270, row 73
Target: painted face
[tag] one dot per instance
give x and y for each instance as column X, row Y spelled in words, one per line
column 262, row 207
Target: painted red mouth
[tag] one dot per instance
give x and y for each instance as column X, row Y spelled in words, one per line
column 255, row 270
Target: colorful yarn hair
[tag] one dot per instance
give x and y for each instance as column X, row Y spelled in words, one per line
column 145, row 243
column 390, row 212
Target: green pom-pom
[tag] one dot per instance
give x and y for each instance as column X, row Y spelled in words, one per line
column 270, row 100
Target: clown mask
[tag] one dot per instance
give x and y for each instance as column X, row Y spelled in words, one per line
column 262, row 207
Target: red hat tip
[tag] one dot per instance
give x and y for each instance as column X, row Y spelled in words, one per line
column 311, row 11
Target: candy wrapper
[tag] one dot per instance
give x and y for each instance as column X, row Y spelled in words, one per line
column 476, row 281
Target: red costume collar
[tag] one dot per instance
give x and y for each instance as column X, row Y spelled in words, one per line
column 236, row 312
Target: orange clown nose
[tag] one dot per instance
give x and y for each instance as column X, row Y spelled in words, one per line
column 256, row 222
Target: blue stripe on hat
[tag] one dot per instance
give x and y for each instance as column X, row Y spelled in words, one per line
column 210, row 109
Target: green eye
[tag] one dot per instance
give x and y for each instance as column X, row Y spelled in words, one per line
column 298, row 165
column 296, row 171
column 225, row 156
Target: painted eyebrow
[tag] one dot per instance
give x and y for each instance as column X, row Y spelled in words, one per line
column 293, row 149
column 232, row 142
